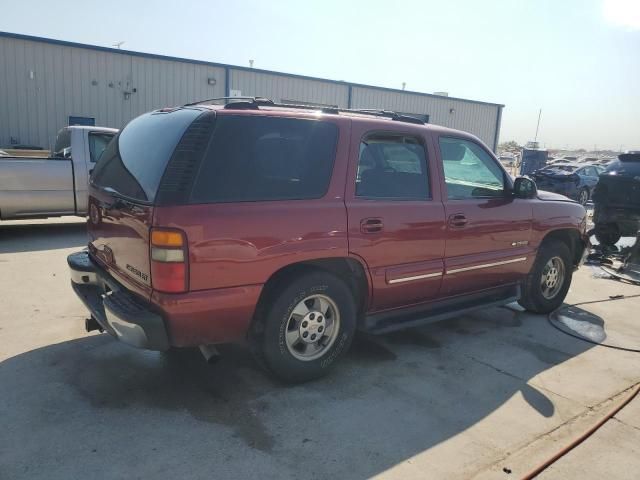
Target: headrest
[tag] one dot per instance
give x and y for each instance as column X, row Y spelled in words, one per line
column 366, row 157
column 452, row 151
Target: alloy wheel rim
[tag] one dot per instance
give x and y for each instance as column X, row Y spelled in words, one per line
column 584, row 196
column 312, row 327
column 552, row 277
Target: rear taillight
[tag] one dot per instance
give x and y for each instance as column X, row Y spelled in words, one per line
column 169, row 260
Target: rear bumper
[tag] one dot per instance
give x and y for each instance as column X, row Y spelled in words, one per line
column 120, row 313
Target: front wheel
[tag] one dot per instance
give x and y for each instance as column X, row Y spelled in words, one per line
column 546, row 286
column 305, row 327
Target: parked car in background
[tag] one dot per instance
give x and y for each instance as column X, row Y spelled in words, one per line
column 3, row 153
column 587, row 160
column 571, row 180
column 617, row 200
column 293, row 227
column 507, row 159
column 39, row 187
column 604, row 161
column 560, row 161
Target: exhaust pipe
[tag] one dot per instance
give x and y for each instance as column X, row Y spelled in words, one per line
column 91, row 324
column 210, row 353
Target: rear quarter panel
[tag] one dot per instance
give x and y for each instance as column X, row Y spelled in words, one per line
column 233, row 245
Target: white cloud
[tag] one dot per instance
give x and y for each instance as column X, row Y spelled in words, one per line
column 624, row 13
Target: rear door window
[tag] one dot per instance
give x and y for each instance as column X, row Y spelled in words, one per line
column 134, row 162
column 392, row 166
column 253, row 158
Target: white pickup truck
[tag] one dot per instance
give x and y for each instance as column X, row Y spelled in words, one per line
column 32, row 187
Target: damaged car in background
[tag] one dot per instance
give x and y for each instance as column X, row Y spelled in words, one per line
column 572, row 180
column 617, row 200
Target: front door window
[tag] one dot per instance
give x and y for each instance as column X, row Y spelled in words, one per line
column 469, row 171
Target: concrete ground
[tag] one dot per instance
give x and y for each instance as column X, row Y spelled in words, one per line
column 478, row 396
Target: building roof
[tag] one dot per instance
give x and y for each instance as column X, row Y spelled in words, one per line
column 227, row 66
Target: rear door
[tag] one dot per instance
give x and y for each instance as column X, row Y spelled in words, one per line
column 124, row 185
column 488, row 230
column 395, row 215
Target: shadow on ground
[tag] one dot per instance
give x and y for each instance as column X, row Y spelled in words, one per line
column 31, row 237
column 95, row 408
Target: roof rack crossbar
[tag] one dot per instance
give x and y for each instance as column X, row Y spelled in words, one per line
column 388, row 114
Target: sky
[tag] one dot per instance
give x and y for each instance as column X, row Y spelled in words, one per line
column 577, row 60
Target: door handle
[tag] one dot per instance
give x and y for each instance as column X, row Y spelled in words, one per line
column 371, row 225
column 457, row 220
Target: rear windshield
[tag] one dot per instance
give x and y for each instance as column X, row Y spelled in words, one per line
column 134, row 162
column 266, row 158
column 629, row 157
column 63, row 140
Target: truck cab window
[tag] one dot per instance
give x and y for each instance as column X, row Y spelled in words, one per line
column 393, row 167
column 62, row 148
column 97, row 143
column 469, row 171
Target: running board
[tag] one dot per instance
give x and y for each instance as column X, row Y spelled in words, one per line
column 389, row 321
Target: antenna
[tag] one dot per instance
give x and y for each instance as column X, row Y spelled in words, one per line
column 118, row 44
column 538, row 126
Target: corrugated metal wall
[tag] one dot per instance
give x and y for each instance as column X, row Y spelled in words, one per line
column 42, row 83
column 279, row 88
column 110, row 87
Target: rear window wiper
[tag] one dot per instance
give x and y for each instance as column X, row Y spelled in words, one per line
column 120, row 199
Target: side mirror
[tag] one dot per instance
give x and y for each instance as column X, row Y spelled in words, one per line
column 524, row 187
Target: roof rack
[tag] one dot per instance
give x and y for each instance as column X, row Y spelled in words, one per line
column 252, row 100
column 255, row 103
column 388, row 114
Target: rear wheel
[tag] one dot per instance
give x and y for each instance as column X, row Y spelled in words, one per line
column 583, row 196
column 305, row 327
column 547, row 284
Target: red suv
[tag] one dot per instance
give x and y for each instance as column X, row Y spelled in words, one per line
column 293, row 227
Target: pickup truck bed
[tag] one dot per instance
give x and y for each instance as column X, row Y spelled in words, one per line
column 36, row 187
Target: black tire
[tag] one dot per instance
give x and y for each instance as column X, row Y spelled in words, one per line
column 583, row 196
column 268, row 334
column 607, row 233
column 533, row 298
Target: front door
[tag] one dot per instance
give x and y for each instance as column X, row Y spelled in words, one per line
column 395, row 216
column 488, row 230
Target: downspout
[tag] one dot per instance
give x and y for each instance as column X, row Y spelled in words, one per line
column 497, row 134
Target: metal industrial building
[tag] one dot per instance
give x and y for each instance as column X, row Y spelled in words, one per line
column 47, row 84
